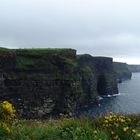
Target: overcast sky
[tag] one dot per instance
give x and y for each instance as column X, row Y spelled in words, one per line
column 99, row 27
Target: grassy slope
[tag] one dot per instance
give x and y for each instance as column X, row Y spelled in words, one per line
column 37, row 51
column 112, row 127
column 33, row 57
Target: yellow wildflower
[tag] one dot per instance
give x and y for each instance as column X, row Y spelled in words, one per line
column 129, row 119
column 95, row 131
column 125, row 129
column 134, row 130
column 106, row 121
column 138, row 135
column 7, row 129
column 112, row 132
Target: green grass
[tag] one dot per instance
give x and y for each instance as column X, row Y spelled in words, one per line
column 111, row 127
column 6, row 50
column 25, row 60
column 65, row 52
column 37, row 51
column 44, row 50
column 36, row 57
column 62, row 129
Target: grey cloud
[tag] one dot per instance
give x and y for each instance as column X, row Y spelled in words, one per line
column 99, row 27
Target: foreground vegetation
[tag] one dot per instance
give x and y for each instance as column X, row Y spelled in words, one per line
column 110, row 127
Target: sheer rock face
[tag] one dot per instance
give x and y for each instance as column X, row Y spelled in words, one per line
column 134, row 68
column 122, row 71
column 102, row 75
column 50, row 82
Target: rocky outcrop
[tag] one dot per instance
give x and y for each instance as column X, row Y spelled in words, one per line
column 100, row 72
column 134, row 68
column 122, row 71
column 44, row 82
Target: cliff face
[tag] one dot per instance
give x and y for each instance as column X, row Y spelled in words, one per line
column 47, row 82
column 99, row 71
column 122, row 71
column 134, row 68
column 39, row 82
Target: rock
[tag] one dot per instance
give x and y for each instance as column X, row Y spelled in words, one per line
column 134, row 68
column 46, row 82
column 122, row 71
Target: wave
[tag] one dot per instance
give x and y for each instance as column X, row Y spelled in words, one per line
column 109, row 96
column 100, row 98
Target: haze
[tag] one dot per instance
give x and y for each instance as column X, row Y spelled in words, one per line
column 98, row 27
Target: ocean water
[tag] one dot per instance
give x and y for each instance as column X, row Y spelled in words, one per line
column 128, row 100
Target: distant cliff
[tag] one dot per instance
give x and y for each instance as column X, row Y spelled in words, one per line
column 44, row 82
column 122, row 71
column 134, row 68
column 99, row 71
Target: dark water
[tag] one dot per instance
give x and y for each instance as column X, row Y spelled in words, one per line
column 128, row 100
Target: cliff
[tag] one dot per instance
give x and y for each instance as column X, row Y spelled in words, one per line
column 44, row 82
column 100, row 72
column 122, row 71
column 39, row 82
column 134, row 68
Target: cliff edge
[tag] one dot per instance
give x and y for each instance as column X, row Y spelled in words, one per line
column 46, row 82
column 122, row 71
column 134, row 68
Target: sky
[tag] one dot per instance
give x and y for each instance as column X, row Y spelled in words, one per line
column 97, row 27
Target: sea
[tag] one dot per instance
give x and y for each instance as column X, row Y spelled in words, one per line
column 126, row 102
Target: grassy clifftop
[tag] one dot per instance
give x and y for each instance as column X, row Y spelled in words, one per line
column 38, row 50
column 38, row 57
